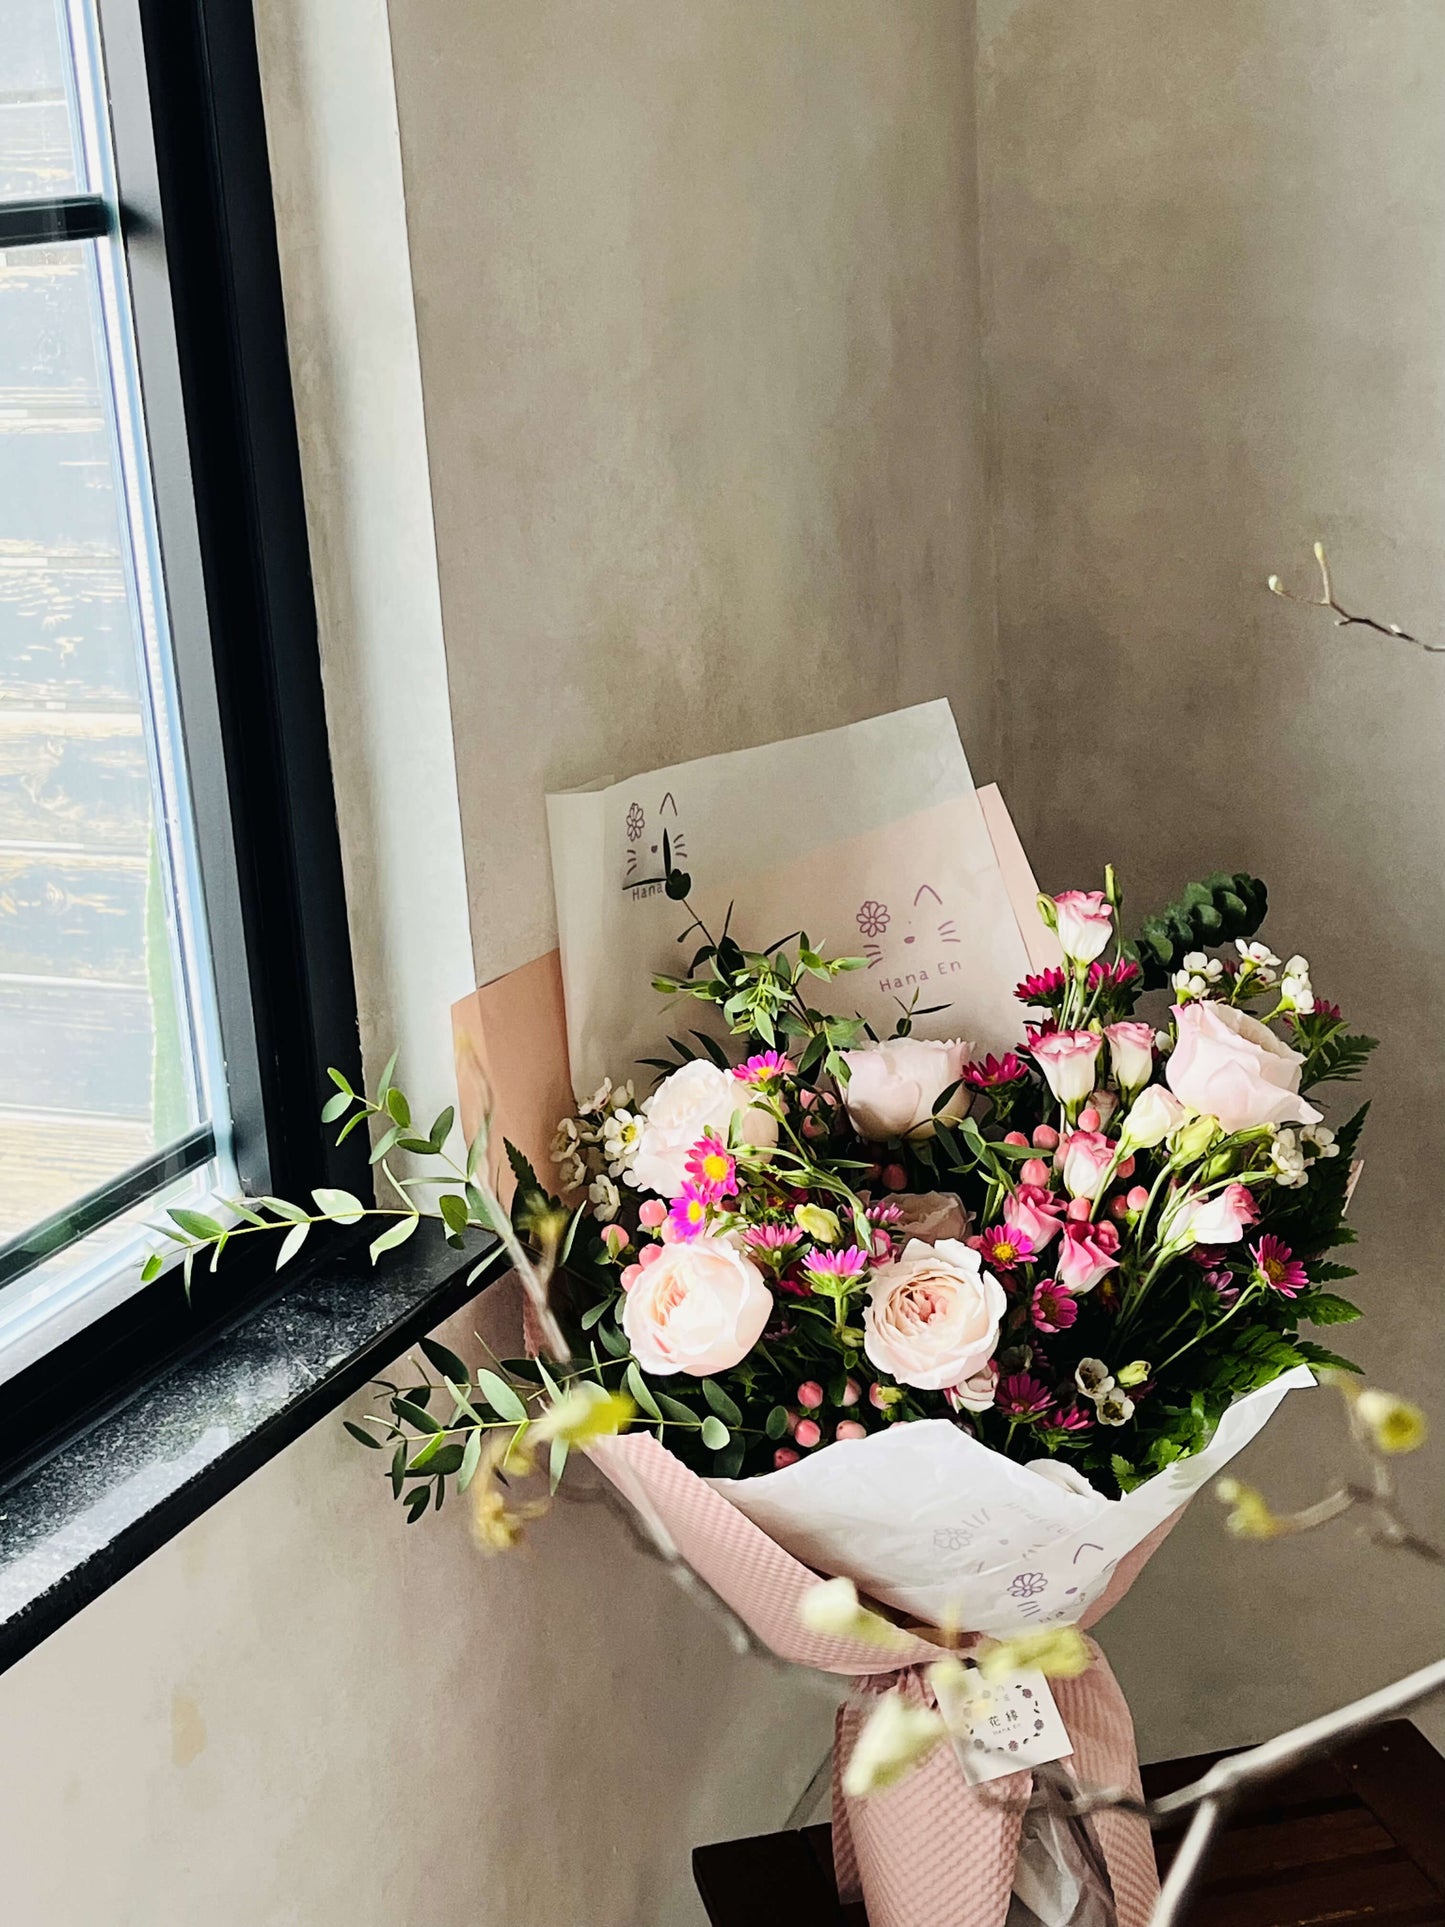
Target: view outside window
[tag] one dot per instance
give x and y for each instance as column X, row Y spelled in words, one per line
column 107, row 1052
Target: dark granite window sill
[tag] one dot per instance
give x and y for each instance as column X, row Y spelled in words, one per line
column 105, row 1498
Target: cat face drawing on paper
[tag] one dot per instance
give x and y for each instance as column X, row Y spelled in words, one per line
column 644, row 825
column 907, row 940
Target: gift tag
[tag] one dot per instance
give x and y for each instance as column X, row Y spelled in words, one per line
column 1003, row 1728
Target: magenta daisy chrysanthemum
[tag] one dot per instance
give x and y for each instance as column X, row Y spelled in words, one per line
column 772, row 1237
column 829, row 1267
column 1277, row 1265
column 1053, row 1309
column 1112, row 976
column 764, row 1067
column 687, row 1214
column 1071, row 1418
column 1042, row 987
column 1022, row 1396
column 993, row 1072
column 1003, row 1248
column 712, row 1168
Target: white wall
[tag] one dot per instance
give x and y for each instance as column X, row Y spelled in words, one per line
column 1214, row 300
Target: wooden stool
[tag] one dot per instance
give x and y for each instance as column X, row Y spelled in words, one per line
column 1359, row 1837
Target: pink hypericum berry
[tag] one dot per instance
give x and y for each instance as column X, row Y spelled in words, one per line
column 652, row 1213
column 1089, row 1119
column 810, row 1394
column 1137, row 1198
column 1119, row 1207
column 1033, row 1171
column 850, row 1429
column 1045, row 1138
column 631, row 1276
column 649, row 1254
column 895, row 1177
column 876, row 1398
column 1080, row 1208
column 1016, row 1137
column 808, row 1434
column 614, row 1239
column 785, row 1455
column 852, row 1391
column 1126, row 1169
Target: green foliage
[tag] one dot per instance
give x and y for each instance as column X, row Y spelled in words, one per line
column 1224, row 906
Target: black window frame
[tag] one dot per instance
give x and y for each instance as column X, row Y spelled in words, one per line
column 288, row 1009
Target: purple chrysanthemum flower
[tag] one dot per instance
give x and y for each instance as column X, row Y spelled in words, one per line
column 1053, row 1309
column 688, row 1212
column 1022, row 1396
column 764, row 1067
column 827, row 1267
column 993, row 1072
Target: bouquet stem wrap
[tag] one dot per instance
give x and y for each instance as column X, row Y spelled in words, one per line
column 933, row 1851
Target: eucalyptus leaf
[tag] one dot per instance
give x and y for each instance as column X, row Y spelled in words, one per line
column 292, row 1243
column 340, row 1205
column 715, row 1435
column 471, row 1459
column 501, row 1396
column 396, row 1235
column 641, row 1392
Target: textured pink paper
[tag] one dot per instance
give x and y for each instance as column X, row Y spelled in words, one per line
column 510, row 1043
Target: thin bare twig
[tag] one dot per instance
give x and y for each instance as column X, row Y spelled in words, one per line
column 1343, row 618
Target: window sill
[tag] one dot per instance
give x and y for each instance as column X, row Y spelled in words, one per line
column 106, row 1498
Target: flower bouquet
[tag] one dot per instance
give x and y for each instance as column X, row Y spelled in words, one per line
column 965, row 1331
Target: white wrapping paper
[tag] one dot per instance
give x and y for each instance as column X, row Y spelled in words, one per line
column 870, row 837
column 924, row 1518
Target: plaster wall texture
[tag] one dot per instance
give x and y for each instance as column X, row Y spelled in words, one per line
column 1213, row 246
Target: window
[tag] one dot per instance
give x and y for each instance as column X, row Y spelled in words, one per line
column 173, row 970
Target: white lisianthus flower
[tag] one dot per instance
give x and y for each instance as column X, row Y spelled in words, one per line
column 1153, row 1115
column 895, row 1739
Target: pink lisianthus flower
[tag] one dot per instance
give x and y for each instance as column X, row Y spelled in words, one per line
column 1083, row 1157
column 1022, row 1396
column 713, row 1169
column 687, row 1215
column 1221, row 1220
column 1067, row 1059
column 764, row 1067
column 829, row 1269
column 1033, row 1213
column 1042, row 987
column 1278, row 1266
column 1131, row 1054
column 1053, row 1309
column 1085, row 923
column 1003, row 1248
column 1086, row 1254
column 992, row 1072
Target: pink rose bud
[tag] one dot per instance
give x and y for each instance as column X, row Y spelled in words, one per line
column 652, row 1214
column 1079, row 1208
column 851, row 1429
column 1045, row 1138
column 1137, row 1199
column 631, row 1276
column 1119, row 1207
column 878, row 1397
column 1016, row 1137
column 808, row 1434
column 1089, row 1119
column 1126, row 1169
column 614, row 1239
column 649, row 1255
column 852, row 1391
column 895, row 1177
column 1034, row 1170
column 785, row 1455
column 810, row 1394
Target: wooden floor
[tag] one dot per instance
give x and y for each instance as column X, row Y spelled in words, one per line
column 1357, row 1838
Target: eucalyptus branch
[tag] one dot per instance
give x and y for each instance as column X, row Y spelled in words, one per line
column 1343, row 618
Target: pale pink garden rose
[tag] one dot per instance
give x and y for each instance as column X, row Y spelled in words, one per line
column 692, row 1102
column 1085, row 923
column 932, row 1318
column 1228, row 1064
column 1086, row 1255
column 698, row 1308
column 928, row 1216
column 1083, row 1158
column 1220, row 1220
column 1034, row 1213
column 1067, row 1059
column 1131, row 1052
column 976, row 1393
column 892, row 1087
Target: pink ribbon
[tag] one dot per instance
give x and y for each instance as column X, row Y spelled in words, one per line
column 932, row 1851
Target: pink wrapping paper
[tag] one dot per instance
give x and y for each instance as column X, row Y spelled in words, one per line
column 931, row 1852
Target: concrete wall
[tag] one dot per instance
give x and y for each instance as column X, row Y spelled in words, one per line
column 1214, row 274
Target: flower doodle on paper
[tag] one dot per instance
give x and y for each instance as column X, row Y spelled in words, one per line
column 645, row 826
column 1027, row 1585
column 911, row 950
